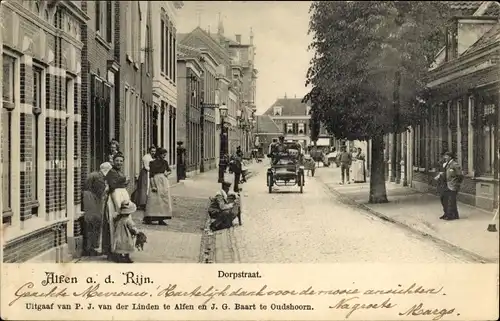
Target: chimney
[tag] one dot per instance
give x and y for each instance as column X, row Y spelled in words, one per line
column 238, row 39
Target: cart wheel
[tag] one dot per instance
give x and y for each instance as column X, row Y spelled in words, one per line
column 270, row 183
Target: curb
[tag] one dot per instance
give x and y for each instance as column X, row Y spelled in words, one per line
column 469, row 254
column 233, row 243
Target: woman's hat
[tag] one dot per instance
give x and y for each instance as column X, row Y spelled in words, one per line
column 128, row 207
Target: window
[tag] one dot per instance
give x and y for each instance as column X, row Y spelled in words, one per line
column 103, row 19
column 487, row 136
column 98, row 16
column 277, row 111
column 174, row 58
column 162, row 44
column 109, row 22
column 6, row 136
column 301, row 129
column 168, row 64
column 129, row 30
column 289, row 128
column 146, row 53
column 31, row 145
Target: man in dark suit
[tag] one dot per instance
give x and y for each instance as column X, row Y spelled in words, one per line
column 452, row 173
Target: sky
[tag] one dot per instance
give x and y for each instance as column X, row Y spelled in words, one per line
column 280, row 37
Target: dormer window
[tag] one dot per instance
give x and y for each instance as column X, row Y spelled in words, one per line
column 289, row 128
column 301, row 129
column 277, row 111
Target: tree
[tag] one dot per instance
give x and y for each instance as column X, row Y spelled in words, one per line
column 369, row 67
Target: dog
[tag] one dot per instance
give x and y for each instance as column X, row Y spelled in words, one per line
column 140, row 240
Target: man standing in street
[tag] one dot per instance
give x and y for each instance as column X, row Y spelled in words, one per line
column 345, row 164
column 454, row 177
column 441, row 185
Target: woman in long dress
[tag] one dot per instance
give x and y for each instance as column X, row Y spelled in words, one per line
column 159, row 205
column 140, row 195
column 93, row 204
column 117, row 193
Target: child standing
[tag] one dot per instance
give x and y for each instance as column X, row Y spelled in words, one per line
column 125, row 233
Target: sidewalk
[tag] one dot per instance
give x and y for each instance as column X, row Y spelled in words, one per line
column 185, row 238
column 420, row 213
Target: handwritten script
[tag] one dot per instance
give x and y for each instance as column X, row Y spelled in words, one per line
column 134, row 291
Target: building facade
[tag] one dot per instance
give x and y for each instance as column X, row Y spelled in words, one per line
column 100, row 120
column 41, row 94
column 264, row 132
column 464, row 117
column 164, row 48
column 292, row 116
column 189, row 88
column 243, row 75
column 136, row 116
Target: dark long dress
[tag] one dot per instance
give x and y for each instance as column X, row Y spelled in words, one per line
column 93, row 205
column 117, row 183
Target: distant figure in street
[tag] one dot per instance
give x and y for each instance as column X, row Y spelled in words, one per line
column 125, row 232
column 117, row 194
column 360, row 173
column 239, row 152
column 220, row 209
column 345, row 159
column 236, row 167
column 181, row 161
column 452, row 172
column 140, row 195
column 93, row 205
column 159, row 205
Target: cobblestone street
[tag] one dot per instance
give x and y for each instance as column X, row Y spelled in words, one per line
column 317, row 227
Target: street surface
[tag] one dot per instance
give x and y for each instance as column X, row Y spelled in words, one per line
column 316, row 227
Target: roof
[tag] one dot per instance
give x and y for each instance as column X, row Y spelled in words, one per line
column 216, row 37
column 290, row 107
column 491, row 36
column 199, row 37
column 464, row 7
column 187, row 52
column 265, row 125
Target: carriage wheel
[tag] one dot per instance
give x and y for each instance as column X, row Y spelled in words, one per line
column 270, row 183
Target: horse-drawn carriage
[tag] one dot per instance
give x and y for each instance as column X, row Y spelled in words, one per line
column 286, row 168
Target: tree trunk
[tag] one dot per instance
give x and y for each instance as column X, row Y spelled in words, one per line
column 378, row 193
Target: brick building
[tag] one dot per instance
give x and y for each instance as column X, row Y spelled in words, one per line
column 100, row 79
column 137, row 117
column 164, row 48
column 41, row 94
column 292, row 116
column 190, row 85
